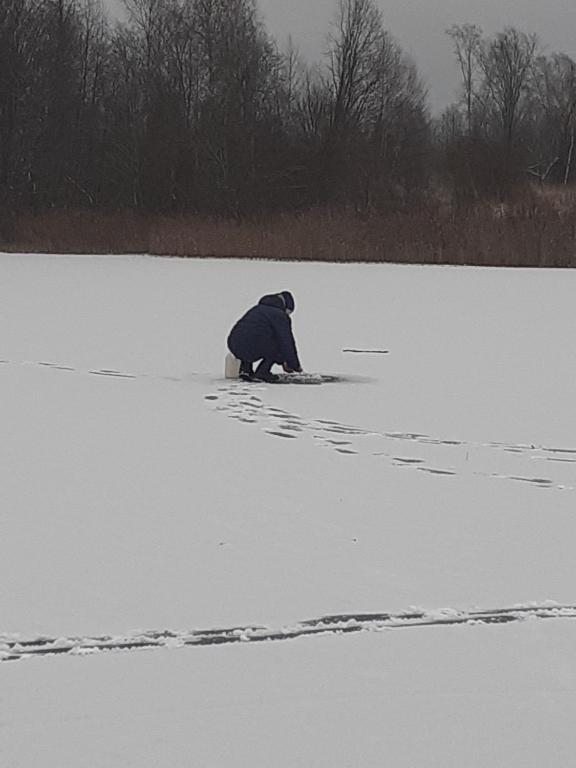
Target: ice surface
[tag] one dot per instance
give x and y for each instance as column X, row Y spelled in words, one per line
column 145, row 499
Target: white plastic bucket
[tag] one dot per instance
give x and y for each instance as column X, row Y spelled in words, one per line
column 231, row 366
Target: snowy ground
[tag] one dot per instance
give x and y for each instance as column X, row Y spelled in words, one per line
column 375, row 572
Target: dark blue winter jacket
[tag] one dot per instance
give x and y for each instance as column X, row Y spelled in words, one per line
column 265, row 332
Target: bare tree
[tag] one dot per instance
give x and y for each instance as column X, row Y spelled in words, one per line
column 378, row 107
column 396, row 129
column 506, row 63
column 554, row 117
column 18, row 31
column 354, row 60
column 467, row 40
column 489, row 152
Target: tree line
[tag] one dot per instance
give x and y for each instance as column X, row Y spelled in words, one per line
column 191, row 106
column 515, row 118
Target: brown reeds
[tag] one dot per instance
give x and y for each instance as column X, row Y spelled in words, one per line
column 535, row 229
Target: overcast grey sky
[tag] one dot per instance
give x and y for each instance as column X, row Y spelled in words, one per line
column 419, row 25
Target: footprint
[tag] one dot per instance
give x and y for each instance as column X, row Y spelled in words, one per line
column 280, row 434
column 435, row 441
column 433, row 471
column 345, row 431
column 541, row 481
column 367, row 351
column 291, row 427
column 415, row 436
column 112, row 374
column 339, row 442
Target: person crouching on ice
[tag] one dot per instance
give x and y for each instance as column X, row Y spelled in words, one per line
column 265, row 333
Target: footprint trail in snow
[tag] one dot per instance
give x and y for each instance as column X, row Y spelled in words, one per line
column 407, row 451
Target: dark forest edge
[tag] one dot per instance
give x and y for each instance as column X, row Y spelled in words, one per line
column 188, row 131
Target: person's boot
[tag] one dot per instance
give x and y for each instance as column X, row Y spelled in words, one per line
column 263, row 373
column 246, row 372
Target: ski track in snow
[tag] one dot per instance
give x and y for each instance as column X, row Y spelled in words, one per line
column 244, row 403
column 14, row 648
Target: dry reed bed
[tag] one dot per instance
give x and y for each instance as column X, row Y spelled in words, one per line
column 538, row 230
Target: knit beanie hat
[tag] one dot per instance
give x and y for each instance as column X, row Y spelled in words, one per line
column 288, row 300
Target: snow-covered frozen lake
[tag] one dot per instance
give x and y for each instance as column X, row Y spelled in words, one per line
column 377, row 572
